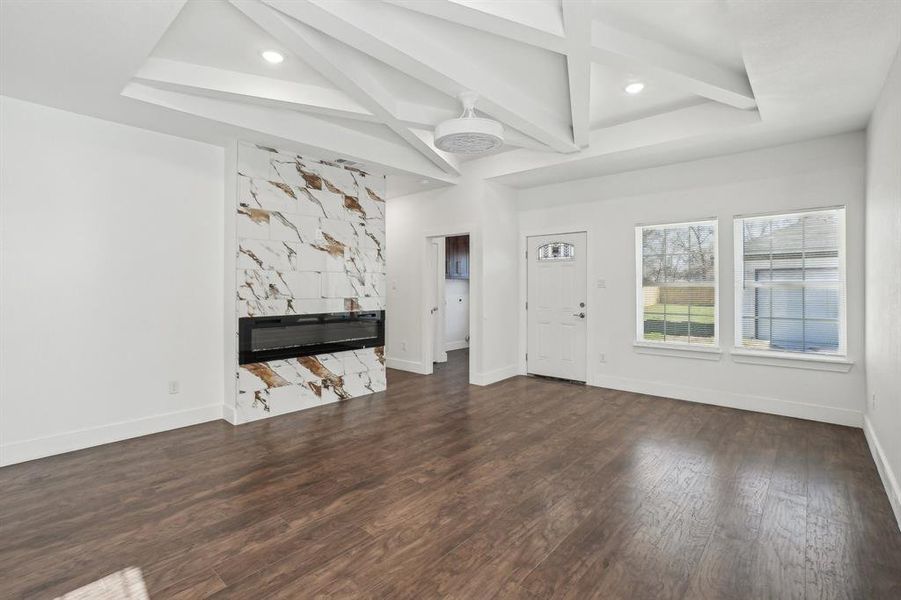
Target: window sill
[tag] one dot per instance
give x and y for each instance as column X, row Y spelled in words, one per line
column 679, row 350
column 839, row 364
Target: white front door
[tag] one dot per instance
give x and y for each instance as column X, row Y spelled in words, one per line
column 557, row 305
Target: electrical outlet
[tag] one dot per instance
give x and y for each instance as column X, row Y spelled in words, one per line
column 403, row 346
column 603, row 358
column 173, row 387
column 873, row 401
column 602, row 283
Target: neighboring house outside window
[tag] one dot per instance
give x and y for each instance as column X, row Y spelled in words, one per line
column 790, row 284
column 677, row 283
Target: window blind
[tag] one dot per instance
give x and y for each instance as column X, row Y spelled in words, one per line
column 677, row 292
column 790, row 282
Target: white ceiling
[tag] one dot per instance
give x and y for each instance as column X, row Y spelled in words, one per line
column 369, row 79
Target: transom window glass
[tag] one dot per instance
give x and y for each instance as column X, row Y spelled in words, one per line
column 556, row 251
column 677, row 295
column 790, row 289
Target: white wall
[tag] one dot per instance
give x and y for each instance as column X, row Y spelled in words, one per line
column 883, row 285
column 456, row 313
column 825, row 172
column 487, row 212
column 112, row 281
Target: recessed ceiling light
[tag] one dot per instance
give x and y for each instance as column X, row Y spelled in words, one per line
column 271, row 56
column 634, row 88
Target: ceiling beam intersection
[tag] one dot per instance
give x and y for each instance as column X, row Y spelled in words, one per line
column 337, row 64
column 609, row 46
column 416, row 54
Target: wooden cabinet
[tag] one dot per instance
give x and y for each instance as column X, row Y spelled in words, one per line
column 456, row 255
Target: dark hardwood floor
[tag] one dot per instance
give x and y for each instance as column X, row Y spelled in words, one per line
column 523, row 489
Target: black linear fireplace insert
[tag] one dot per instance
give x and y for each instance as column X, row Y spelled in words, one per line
column 269, row 338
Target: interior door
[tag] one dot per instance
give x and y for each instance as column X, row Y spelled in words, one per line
column 557, row 305
column 439, row 352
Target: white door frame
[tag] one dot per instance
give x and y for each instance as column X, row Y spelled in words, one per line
column 475, row 304
column 524, row 293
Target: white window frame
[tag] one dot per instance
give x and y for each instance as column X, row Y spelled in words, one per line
column 762, row 356
column 641, row 345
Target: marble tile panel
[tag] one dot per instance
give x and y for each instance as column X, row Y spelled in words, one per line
column 267, row 195
column 338, row 285
column 318, row 258
column 288, row 227
column 344, row 232
column 269, row 255
column 252, row 223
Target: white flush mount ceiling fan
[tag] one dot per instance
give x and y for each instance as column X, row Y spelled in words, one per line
column 469, row 134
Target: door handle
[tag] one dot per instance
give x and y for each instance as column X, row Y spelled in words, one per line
column 581, row 315
column 434, row 310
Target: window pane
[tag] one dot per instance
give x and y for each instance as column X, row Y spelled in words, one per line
column 677, row 268
column 787, row 302
column 674, row 300
column 653, row 270
column 702, row 238
column 653, row 324
column 652, row 241
column 787, row 268
column 556, row 251
column 821, row 303
column 787, row 335
column 820, row 273
column 821, row 336
column 677, row 240
column 821, row 231
column 701, row 267
column 756, row 237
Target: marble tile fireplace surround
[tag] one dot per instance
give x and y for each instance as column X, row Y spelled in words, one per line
column 310, row 240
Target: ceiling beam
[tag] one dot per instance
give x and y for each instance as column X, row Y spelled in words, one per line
column 416, row 53
column 323, row 138
column 227, row 84
column 532, row 23
column 337, row 63
column 646, row 57
column 640, row 135
column 577, row 23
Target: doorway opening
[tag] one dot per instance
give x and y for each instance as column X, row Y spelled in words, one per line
column 449, row 308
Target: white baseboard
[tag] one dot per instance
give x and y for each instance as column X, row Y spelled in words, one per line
column 889, row 480
column 489, row 377
column 230, row 414
column 458, row 345
column 32, row 449
column 776, row 406
column 406, row 365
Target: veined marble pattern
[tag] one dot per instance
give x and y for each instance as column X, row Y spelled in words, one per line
column 280, row 386
column 309, row 234
column 311, row 239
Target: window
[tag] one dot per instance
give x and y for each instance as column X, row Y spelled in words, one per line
column 790, row 283
column 557, row 251
column 676, row 291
